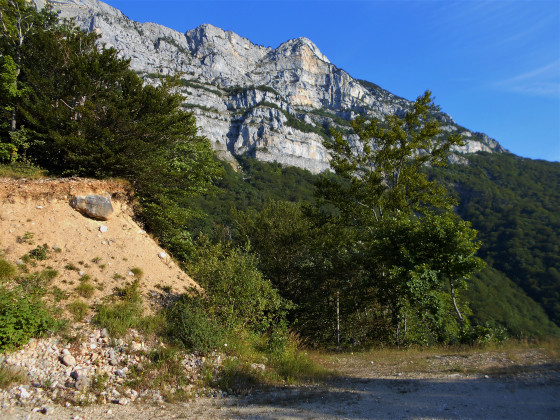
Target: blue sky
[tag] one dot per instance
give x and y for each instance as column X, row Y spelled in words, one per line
column 494, row 66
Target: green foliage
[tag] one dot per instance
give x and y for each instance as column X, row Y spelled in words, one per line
column 22, row 170
column 40, row 253
column 513, row 203
column 496, row 301
column 248, row 190
column 239, row 295
column 123, row 311
column 414, row 254
column 23, row 315
column 191, row 325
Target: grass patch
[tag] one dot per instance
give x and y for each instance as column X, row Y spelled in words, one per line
column 7, row 269
column 78, row 309
column 163, row 371
column 22, row 170
column 85, row 289
column 11, row 375
column 71, row 267
column 124, row 310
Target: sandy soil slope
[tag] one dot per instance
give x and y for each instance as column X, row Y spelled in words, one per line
column 39, row 210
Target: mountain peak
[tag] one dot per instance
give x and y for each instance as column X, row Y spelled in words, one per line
column 296, row 45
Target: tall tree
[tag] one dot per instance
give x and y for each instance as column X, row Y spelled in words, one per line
column 398, row 215
column 88, row 114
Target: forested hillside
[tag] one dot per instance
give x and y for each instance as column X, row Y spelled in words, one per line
column 511, row 201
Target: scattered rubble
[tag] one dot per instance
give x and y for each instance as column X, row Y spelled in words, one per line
column 93, row 369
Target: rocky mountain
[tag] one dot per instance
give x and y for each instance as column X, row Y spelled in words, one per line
column 273, row 104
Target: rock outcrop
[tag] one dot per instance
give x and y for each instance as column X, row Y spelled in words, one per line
column 273, row 104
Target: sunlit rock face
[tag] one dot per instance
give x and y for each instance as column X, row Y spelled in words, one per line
column 273, row 104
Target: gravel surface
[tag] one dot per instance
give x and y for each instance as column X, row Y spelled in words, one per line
column 366, row 390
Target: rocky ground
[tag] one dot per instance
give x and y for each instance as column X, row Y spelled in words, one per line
column 64, row 383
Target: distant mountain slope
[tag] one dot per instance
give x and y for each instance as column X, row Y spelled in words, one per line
column 273, row 104
column 514, row 204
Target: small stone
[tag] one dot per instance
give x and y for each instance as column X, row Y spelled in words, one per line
column 67, row 359
column 130, row 273
column 23, row 393
column 19, row 262
column 104, row 333
column 83, row 383
column 103, row 228
column 162, row 255
column 81, row 273
column 39, row 207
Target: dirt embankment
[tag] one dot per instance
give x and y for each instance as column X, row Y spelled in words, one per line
column 105, row 253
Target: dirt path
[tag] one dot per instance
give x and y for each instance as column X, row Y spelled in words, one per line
column 409, row 387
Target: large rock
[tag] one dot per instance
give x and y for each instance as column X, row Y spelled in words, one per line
column 95, row 206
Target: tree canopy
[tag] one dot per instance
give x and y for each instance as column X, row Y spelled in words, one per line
column 414, row 252
column 76, row 108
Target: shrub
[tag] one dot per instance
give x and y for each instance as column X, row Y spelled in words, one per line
column 40, row 253
column 238, row 292
column 190, row 325
column 23, row 315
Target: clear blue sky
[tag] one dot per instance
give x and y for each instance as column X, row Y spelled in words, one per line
column 494, row 66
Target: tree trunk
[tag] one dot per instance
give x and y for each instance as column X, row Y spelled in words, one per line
column 455, row 302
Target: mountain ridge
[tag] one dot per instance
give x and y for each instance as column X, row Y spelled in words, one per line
column 275, row 104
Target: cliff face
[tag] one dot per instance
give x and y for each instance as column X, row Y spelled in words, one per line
column 274, row 104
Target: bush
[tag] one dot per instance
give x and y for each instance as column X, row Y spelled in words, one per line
column 123, row 312
column 40, row 253
column 238, row 292
column 22, row 316
column 190, row 325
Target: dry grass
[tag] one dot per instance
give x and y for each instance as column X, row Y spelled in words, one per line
column 510, row 358
column 10, row 375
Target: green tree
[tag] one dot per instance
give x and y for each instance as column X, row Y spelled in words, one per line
column 414, row 253
column 19, row 25
column 86, row 113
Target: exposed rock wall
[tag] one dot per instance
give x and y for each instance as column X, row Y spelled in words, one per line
column 274, row 104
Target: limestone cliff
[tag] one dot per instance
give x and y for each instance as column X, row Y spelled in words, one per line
column 274, row 104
